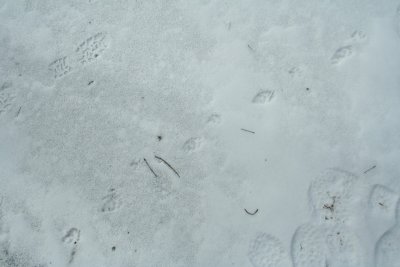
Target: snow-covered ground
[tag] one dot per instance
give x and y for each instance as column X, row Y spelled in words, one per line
column 199, row 133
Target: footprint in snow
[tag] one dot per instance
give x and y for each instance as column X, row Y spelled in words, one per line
column 387, row 249
column 314, row 245
column 7, row 97
column 331, row 196
column 86, row 52
column 382, row 202
column 60, row 67
column 267, row 251
column 92, row 48
column 307, row 247
column 326, row 240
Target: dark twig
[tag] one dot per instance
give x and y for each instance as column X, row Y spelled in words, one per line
column 247, row 131
column 169, row 165
column 331, row 206
column 148, row 165
column 370, row 169
column 251, row 213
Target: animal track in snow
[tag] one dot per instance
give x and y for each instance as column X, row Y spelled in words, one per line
column 192, row 144
column 214, row 118
column 358, row 36
column 341, row 54
column 110, row 202
column 60, row 67
column 6, row 97
column 267, row 251
column 91, row 48
column 71, row 239
column 135, row 163
column 382, row 201
column 263, row 97
column 72, row 236
column 344, row 52
column 330, row 196
column 294, row 71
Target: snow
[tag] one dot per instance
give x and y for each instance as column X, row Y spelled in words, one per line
column 136, row 133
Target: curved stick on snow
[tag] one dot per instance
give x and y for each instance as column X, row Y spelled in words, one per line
column 148, row 165
column 169, row 165
column 251, row 213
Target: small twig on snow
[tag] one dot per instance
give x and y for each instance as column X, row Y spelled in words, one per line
column 148, row 165
column 251, row 213
column 370, row 169
column 169, row 165
column 247, row 131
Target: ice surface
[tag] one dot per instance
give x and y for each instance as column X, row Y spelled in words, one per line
column 93, row 94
